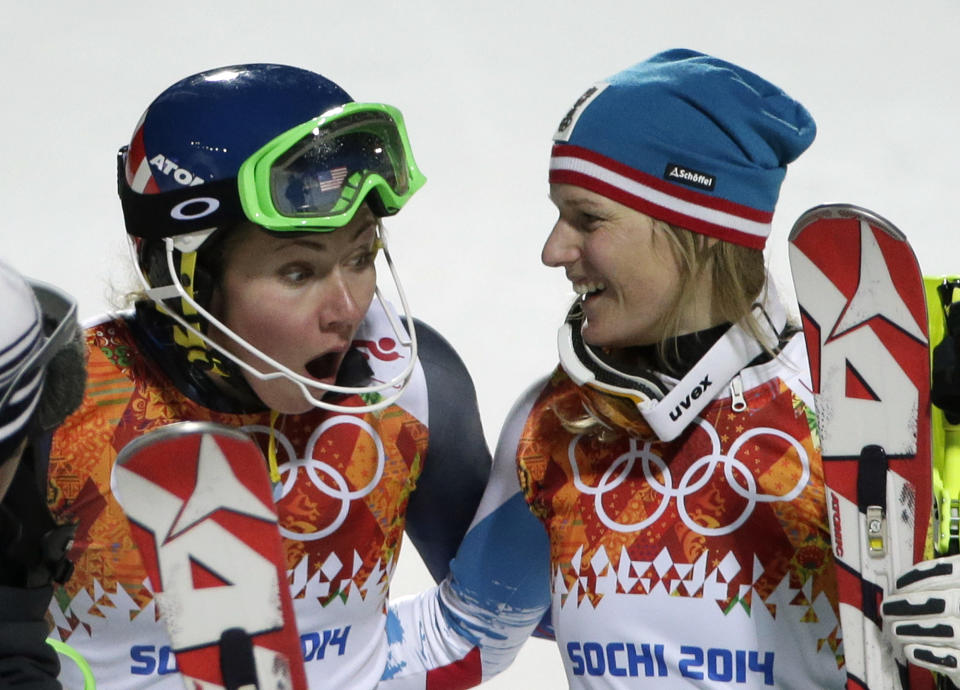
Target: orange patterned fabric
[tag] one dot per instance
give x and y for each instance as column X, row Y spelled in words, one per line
column 328, row 539
column 746, row 486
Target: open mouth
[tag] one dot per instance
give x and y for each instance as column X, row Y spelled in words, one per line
column 324, row 366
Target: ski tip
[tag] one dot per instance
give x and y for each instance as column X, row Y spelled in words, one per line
column 176, row 430
column 843, row 211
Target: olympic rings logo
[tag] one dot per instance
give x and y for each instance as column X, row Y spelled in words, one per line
column 290, row 473
column 651, row 464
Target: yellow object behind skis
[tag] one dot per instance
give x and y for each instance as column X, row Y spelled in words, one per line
column 945, row 444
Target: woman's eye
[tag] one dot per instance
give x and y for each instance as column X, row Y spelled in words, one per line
column 589, row 221
column 295, row 274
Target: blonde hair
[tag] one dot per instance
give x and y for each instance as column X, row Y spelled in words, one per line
column 736, row 275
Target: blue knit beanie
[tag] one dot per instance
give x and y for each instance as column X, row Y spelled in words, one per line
column 686, row 138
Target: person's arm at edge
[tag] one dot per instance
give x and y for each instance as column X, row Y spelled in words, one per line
column 26, row 660
column 457, row 462
column 471, row 626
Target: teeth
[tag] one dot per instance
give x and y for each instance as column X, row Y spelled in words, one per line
column 588, row 287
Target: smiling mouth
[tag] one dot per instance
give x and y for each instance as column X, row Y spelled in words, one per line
column 324, row 366
column 587, row 289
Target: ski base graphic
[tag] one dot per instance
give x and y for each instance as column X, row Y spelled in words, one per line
column 198, row 500
column 863, row 309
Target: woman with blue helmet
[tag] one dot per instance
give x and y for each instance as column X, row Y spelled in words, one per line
column 254, row 198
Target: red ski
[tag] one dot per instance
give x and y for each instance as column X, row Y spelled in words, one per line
column 863, row 308
column 199, row 504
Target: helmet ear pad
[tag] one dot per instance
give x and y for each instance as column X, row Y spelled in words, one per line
column 211, row 260
column 153, row 262
column 207, row 272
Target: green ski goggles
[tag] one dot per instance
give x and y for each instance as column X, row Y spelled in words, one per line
column 316, row 175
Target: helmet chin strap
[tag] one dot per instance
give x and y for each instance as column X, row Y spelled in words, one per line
column 312, row 390
column 668, row 410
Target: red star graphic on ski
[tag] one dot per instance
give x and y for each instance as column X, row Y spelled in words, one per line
column 217, row 488
column 876, row 295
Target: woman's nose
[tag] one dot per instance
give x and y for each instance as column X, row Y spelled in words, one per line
column 562, row 246
column 341, row 304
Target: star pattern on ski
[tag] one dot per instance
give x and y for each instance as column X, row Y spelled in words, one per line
column 876, row 287
column 216, row 479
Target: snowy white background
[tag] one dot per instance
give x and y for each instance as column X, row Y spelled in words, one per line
column 482, row 85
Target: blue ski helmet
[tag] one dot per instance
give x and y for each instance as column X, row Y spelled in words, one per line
column 205, row 126
column 282, row 147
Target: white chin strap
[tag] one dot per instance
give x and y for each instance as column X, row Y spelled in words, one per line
column 670, row 411
column 313, row 391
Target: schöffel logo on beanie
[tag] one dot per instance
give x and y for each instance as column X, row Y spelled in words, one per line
column 570, row 119
column 689, row 177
